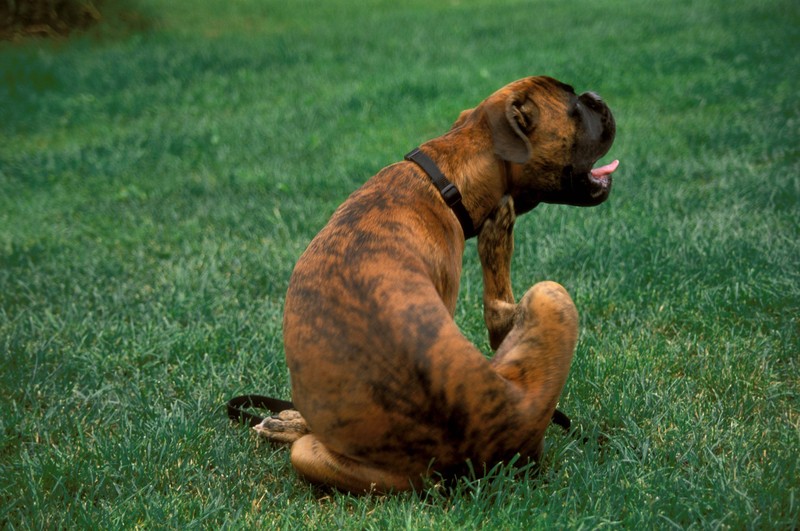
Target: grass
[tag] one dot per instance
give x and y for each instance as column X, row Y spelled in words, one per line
column 156, row 189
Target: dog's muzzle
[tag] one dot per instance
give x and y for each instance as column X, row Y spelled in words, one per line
column 587, row 188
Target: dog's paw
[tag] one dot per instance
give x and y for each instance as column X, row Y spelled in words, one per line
column 285, row 427
column 499, row 317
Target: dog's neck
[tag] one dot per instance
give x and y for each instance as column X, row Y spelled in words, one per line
column 448, row 191
column 479, row 175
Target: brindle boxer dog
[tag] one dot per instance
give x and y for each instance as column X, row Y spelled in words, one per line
column 387, row 389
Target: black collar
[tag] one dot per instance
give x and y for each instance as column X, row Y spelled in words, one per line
column 449, row 192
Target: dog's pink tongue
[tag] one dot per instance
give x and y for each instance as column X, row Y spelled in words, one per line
column 606, row 170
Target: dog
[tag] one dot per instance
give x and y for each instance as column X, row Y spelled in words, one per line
column 387, row 391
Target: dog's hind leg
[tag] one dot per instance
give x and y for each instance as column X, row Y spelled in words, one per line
column 535, row 339
column 319, row 465
column 536, row 354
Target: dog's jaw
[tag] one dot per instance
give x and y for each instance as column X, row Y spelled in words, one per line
column 600, row 180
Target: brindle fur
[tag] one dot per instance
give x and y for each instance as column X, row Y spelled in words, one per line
column 389, row 389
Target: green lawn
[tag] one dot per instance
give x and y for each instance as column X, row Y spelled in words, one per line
column 156, row 189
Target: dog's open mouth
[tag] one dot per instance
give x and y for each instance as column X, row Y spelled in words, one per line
column 601, row 179
column 586, row 187
column 603, row 172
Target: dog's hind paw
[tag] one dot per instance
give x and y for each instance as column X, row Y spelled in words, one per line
column 285, row 427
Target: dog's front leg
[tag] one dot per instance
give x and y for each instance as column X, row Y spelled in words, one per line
column 495, row 247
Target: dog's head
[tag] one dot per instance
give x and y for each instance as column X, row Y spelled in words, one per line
column 552, row 138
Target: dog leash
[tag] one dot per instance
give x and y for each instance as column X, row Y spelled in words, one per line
column 448, row 190
column 238, row 406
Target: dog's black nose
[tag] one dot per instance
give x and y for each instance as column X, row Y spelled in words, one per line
column 592, row 100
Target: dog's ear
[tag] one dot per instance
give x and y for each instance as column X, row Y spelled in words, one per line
column 465, row 114
column 510, row 125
